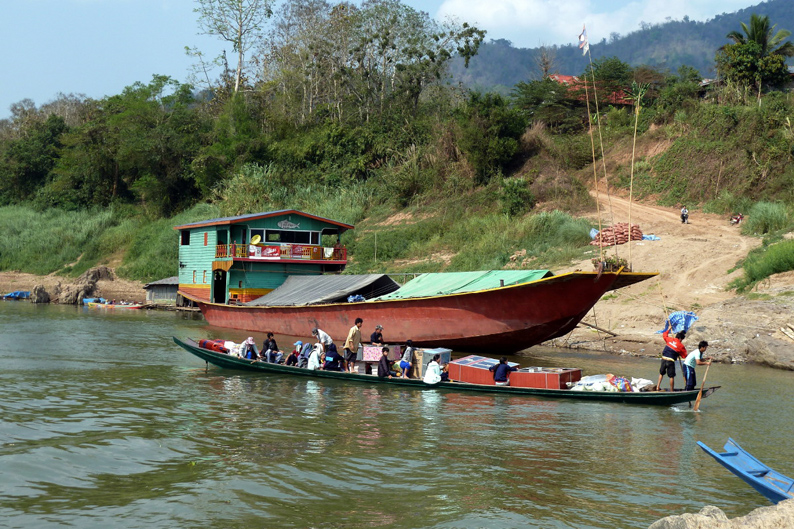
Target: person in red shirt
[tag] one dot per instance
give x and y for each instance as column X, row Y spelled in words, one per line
column 673, row 349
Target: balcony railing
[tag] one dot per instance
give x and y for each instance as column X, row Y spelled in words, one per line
column 299, row 252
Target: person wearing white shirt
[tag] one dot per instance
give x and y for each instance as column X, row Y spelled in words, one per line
column 695, row 357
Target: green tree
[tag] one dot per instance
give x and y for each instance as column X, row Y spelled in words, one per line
column 756, row 57
column 490, row 130
column 548, row 101
column 760, row 32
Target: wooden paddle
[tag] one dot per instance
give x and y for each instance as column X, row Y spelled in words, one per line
column 702, row 385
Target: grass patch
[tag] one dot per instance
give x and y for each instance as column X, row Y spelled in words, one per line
column 765, row 217
column 764, row 262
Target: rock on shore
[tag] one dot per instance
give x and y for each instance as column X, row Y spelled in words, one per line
column 780, row 516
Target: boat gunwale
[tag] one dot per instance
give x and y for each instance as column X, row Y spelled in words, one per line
column 650, row 398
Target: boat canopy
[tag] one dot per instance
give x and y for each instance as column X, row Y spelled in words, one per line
column 311, row 290
column 445, row 283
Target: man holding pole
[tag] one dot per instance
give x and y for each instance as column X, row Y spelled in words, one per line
column 692, row 359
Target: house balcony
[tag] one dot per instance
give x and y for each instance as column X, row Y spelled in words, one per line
column 283, row 252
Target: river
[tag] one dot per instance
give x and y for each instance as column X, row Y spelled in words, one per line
column 106, row 422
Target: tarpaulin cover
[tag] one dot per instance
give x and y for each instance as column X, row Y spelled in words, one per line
column 444, row 283
column 680, row 320
column 310, row 290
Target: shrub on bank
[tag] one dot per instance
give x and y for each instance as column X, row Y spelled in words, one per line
column 765, row 217
column 762, row 263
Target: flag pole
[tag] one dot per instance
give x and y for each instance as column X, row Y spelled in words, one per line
column 583, row 44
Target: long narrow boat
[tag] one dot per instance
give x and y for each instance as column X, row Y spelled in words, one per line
column 776, row 487
column 228, row 361
column 95, row 305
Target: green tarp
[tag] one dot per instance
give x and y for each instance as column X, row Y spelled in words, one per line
column 444, row 283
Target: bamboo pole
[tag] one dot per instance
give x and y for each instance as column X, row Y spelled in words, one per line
column 702, row 385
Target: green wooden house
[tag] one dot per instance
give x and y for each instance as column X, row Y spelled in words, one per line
column 239, row 259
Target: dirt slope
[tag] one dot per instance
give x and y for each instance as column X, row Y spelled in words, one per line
column 693, row 261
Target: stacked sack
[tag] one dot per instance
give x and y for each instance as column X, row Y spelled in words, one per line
column 617, row 234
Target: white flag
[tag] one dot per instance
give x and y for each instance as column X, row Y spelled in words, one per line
column 583, row 44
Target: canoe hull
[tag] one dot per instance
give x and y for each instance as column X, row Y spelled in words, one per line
column 651, row 398
column 774, row 486
column 509, row 319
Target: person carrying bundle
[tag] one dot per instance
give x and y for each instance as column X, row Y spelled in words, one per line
column 673, row 350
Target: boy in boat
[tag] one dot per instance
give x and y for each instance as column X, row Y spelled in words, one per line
column 351, row 345
column 292, row 358
column 673, row 350
column 270, row 347
column 694, row 358
column 384, row 365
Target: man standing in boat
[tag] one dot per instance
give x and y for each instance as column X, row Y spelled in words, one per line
column 673, row 350
column 694, row 358
column 351, row 345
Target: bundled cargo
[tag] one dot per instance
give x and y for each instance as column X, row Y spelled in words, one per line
column 617, row 234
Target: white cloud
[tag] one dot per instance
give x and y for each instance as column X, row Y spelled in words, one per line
column 529, row 23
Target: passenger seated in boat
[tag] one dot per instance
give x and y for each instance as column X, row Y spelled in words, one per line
column 303, row 358
column 433, row 371
column 324, row 340
column 271, row 353
column 384, row 364
column 376, row 338
column 249, row 349
column 407, row 359
column 501, row 372
column 292, row 358
column 314, row 358
column 333, row 360
column 445, row 372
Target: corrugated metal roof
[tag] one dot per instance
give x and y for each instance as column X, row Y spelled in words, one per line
column 263, row 215
column 167, row 281
column 310, row 290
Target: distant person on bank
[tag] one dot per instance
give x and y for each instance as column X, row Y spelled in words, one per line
column 695, row 357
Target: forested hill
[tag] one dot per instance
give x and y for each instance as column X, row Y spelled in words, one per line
column 665, row 46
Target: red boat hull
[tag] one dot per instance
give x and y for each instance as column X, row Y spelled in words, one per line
column 506, row 319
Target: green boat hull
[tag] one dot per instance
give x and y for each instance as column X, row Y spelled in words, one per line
column 663, row 398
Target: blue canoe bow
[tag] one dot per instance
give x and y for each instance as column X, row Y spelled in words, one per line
column 773, row 485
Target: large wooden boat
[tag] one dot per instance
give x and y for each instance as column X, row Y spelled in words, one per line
column 228, row 361
column 775, row 486
column 506, row 318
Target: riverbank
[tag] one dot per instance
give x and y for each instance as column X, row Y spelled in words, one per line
column 696, row 263
column 108, row 286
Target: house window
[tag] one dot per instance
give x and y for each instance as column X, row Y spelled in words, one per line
column 194, row 277
column 206, row 238
column 204, row 277
column 185, row 238
column 292, row 237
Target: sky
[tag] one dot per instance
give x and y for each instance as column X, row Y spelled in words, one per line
column 97, row 47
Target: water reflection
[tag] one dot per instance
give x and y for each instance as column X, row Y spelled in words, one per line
column 132, row 431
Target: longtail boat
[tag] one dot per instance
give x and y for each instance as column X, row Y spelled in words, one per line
column 229, row 361
column 775, row 486
column 95, row 305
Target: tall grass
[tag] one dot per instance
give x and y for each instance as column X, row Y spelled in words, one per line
column 766, row 261
column 728, row 203
column 765, row 217
column 46, row 242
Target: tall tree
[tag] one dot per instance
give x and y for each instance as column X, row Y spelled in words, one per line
column 757, row 57
column 239, row 22
column 760, row 32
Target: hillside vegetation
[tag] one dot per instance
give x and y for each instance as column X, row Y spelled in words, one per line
column 434, row 177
